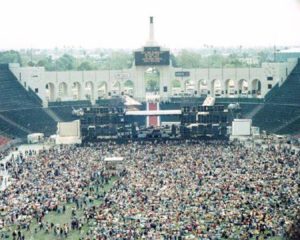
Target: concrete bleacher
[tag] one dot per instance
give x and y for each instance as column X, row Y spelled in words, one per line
column 289, row 91
column 35, row 120
column 3, row 140
column 274, row 115
column 21, row 108
column 293, row 128
column 10, row 130
column 64, row 109
column 13, row 94
column 281, row 106
column 24, row 107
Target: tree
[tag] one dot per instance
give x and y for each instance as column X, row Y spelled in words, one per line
column 85, row 66
column 188, row 59
column 10, row 57
column 173, row 60
column 176, row 83
column 30, row 64
column 152, row 80
column 117, row 60
column 65, row 62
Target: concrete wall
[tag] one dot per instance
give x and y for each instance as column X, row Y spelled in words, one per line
column 47, row 84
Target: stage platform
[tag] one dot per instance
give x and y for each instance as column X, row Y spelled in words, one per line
column 153, row 113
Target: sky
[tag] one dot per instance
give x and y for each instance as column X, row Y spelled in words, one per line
column 125, row 23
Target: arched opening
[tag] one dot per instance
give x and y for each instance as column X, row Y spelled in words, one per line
column 229, row 88
column 89, row 90
column 256, row 88
column 116, row 89
column 129, row 88
column 50, row 92
column 76, row 91
column 243, row 88
column 102, row 90
column 216, row 90
column 202, row 87
column 62, row 90
column 189, row 87
column 176, row 87
column 152, row 81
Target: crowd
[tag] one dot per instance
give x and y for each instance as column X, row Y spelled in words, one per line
column 47, row 181
column 176, row 190
column 201, row 191
column 3, row 140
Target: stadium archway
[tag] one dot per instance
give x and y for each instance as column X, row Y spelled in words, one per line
column 243, row 88
column 189, row 87
column 229, row 88
column 76, row 91
column 256, row 88
column 102, row 90
column 129, row 87
column 202, row 87
column 152, row 80
column 116, row 89
column 50, row 92
column 89, row 90
column 62, row 90
column 175, row 87
column 216, row 88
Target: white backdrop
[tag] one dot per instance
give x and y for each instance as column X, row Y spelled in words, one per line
column 241, row 127
column 69, row 129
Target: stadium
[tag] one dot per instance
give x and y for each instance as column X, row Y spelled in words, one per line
column 207, row 153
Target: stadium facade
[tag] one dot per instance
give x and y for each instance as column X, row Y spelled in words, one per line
column 92, row 85
column 33, row 100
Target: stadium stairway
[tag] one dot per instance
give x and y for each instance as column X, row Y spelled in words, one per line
column 63, row 110
column 284, row 128
column 53, row 115
column 292, row 127
column 9, row 128
column 21, row 110
column 12, row 123
column 281, row 107
column 254, row 111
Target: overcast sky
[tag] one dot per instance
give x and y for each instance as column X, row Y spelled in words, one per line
column 124, row 23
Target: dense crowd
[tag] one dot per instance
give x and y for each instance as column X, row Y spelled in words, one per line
column 177, row 190
column 206, row 191
column 47, row 181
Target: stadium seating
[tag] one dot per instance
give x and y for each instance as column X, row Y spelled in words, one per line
column 64, row 109
column 289, row 92
column 281, row 106
column 35, row 120
column 294, row 128
column 3, row 140
column 13, row 94
column 24, row 107
column 21, row 107
column 10, row 130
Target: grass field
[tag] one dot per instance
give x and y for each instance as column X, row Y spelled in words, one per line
column 59, row 218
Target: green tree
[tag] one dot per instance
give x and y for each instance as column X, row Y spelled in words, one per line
column 176, row 83
column 118, row 60
column 128, row 84
column 10, row 57
column 152, row 80
column 46, row 62
column 65, row 62
column 188, row 59
column 85, row 66
column 173, row 60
